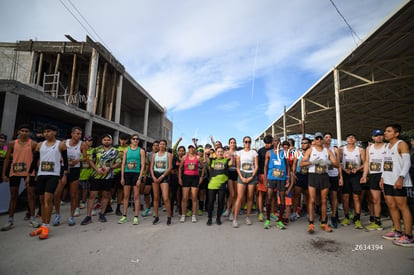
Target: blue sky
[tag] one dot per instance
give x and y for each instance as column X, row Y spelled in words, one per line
column 221, row 68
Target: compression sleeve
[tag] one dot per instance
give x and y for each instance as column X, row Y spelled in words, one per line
column 33, row 166
column 65, row 160
column 406, row 164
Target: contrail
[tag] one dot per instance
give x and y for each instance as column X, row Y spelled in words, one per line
column 254, row 70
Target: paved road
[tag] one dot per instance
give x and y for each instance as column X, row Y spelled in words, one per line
column 110, row 248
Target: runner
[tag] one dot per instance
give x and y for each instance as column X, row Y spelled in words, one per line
column 352, row 158
column 247, row 167
column 105, row 158
column 276, row 177
column 49, row 154
column 20, row 153
column 395, row 180
column 175, row 187
column 86, row 172
column 189, row 179
column 232, row 178
column 261, row 188
column 218, row 170
column 132, row 175
column 118, row 188
column 146, row 189
column 75, row 149
column 161, row 165
column 334, row 178
column 202, row 189
column 300, row 180
column 318, row 158
column 372, row 174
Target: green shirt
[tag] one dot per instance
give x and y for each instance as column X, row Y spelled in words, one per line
column 86, row 170
column 105, row 158
column 218, row 173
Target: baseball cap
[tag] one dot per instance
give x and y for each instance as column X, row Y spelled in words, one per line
column 377, row 132
column 87, row 138
column 318, row 134
column 189, row 146
column 106, row 135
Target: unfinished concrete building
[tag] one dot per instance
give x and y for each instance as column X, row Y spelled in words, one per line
column 72, row 83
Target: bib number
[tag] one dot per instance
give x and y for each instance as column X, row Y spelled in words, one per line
column 191, row 166
column 388, row 166
column 247, row 166
column 160, row 164
column 320, row 169
column 47, row 166
column 278, row 173
column 375, row 166
column 19, row 167
column 132, row 165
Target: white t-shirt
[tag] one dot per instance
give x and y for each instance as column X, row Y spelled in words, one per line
column 247, row 160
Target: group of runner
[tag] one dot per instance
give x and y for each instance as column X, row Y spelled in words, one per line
column 302, row 180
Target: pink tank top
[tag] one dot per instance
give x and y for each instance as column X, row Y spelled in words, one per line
column 191, row 166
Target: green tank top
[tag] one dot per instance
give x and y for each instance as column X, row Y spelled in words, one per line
column 133, row 160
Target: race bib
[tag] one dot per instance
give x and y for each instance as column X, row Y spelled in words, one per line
column 160, row 164
column 19, row 167
column 350, row 165
column 388, row 166
column 375, row 166
column 132, row 165
column 304, row 170
column 85, row 164
column 278, row 173
column 320, row 169
column 191, row 166
column 247, row 166
column 47, row 166
column 218, row 166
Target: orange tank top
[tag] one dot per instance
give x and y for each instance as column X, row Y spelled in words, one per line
column 22, row 158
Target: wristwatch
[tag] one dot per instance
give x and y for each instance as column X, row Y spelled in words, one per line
column 402, row 177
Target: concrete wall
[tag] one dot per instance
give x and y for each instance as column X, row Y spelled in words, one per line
column 15, row 65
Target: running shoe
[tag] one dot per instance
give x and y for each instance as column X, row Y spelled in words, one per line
column 285, row 221
column 200, row 212
column 77, row 212
column 273, row 217
column 242, row 212
column 325, row 227
column 62, row 203
column 293, row 217
column 169, row 221
column 44, row 233
column 373, row 226
column 27, row 216
column 267, row 224
column 108, row 209
column 57, row 219
column 34, row 224
column 392, row 235
column 218, row 221
column 122, row 220
column 231, row 217
column 93, row 212
column 280, row 224
column 156, row 221
column 135, row 221
column 358, row 224
column 209, row 222
column 182, row 219
column 193, row 219
column 260, row 218
column 189, row 213
column 7, row 226
column 248, row 221
column 235, row 224
column 226, row 213
column 345, row 222
column 102, row 217
column 404, row 241
column 146, row 212
column 334, row 222
column 164, row 209
column 82, row 205
column 86, row 220
column 36, row 232
column 118, row 212
column 71, row 221
column 311, row 228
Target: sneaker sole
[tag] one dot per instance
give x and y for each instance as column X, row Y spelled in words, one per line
column 391, row 238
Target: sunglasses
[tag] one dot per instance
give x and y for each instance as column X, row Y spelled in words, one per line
column 318, row 138
column 247, row 142
column 134, row 138
column 305, row 143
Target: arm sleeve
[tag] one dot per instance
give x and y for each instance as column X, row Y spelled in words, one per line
column 33, row 166
column 406, row 164
column 65, row 160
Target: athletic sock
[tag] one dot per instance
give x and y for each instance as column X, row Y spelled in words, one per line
column 378, row 220
column 371, row 218
column 201, row 205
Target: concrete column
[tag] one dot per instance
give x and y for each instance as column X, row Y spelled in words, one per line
column 337, row 107
column 284, row 124
column 303, row 111
column 118, row 99
column 146, row 114
column 273, row 130
column 115, row 137
column 93, row 72
column 88, row 127
column 8, row 120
